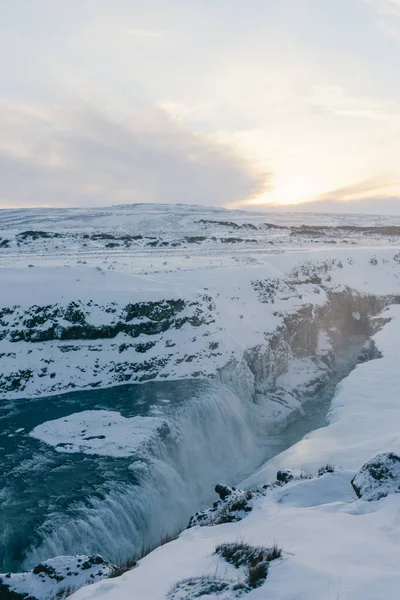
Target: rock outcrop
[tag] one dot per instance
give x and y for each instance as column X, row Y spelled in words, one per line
column 54, row 578
column 378, row 478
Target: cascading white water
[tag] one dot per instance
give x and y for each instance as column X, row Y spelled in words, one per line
column 211, row 438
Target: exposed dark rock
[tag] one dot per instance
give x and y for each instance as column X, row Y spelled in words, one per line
column 37, row 235
column 233, row 506
column 378, row 478
column 42, row 323
column 207, row 586
column 284, row 476
column 322, row 230
column 223, row 491
column 195, row 239
column 228, row 224
column 369, row 352
column 54, row 576
column 71, row 323
column 6, row 593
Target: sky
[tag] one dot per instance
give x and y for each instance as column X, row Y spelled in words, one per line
column 254, row 104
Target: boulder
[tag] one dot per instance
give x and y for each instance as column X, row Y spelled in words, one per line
column 233, row 506
column 55, row 577
column 378, row 478
column 223, row 491
column 284, row 476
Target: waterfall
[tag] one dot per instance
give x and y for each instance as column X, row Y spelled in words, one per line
column 210, row 439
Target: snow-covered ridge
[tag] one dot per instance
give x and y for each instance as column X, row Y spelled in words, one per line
column 166, row 238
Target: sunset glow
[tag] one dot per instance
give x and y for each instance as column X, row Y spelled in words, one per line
column 230, row 103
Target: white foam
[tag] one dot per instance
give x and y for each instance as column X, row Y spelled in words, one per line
column 211, row 439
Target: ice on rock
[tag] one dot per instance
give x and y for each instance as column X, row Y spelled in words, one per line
column 378, row 478
column 234, row 504
column 51, row 578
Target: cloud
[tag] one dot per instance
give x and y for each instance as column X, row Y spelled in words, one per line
column 145, row 33
column 379, row 205
column 385, row 6
column 376, row 195
column 57, row 156
column 374, row 186
column 334, row 100
column 391, row 29
column 388, row 22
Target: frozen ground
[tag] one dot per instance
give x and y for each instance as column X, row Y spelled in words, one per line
column 261, row 306
column 144, row 239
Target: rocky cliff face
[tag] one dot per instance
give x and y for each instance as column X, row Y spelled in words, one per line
column 90, row 344
column 245, row 328
column 47, row 349
column 299, row 358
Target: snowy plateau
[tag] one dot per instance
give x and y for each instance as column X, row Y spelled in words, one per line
column 199, row 403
